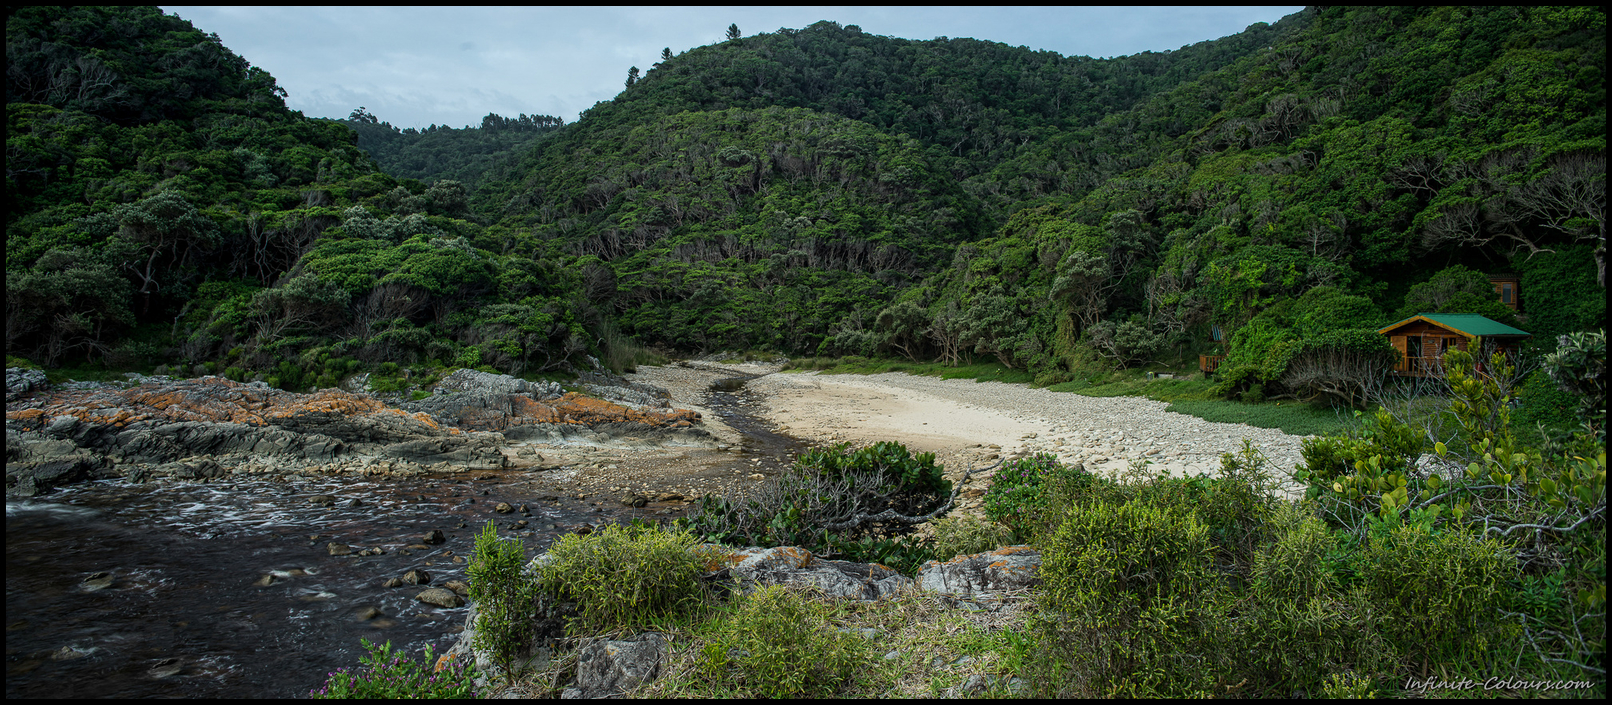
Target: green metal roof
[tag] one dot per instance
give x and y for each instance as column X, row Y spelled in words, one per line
column 1468, row 324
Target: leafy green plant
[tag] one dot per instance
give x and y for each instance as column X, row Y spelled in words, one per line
column 626, row 576
column 831, row 500
column 780, row 643
column 504, row 595
column 961, row 536
column 389, row 676
column 1127, row 597
column 1018, row 498
column 1439, row 592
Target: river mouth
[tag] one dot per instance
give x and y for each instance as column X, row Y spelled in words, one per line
column 181, row 611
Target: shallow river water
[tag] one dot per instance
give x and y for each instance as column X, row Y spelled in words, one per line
column 184, row 614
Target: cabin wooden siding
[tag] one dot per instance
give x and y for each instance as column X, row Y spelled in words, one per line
column 1426, row 359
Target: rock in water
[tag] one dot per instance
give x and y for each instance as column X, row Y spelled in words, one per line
column 417, row 577
column 436, row 536
column 440, row 597
column 338, row 549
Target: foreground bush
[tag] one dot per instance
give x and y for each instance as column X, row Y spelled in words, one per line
column 1019, row 497
column 504, row 596
column 964, row 536
column 626, row 576
column 1300, row 627
column 1127, row 592
column 393, row 676
column 779, row 643
column 835, row 500
column 1440, row 591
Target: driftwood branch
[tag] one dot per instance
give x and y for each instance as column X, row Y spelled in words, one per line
column 892, row 515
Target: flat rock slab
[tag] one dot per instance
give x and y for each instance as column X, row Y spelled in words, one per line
column 1004, row 569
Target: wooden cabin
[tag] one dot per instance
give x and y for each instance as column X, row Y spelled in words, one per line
column 1207, row 364
column 1422, row 339
column 1508, row 287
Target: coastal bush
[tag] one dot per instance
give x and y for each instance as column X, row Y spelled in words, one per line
column 1127, row 599
column 962, row 536
column 504, row 595
column 827, row 502
column 779, row 643
column 1018, row 499
column 389, row 676
column 626, row 576
column 1299, row 622
column 1439, row 592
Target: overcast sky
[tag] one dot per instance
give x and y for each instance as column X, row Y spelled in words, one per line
column 414, row 66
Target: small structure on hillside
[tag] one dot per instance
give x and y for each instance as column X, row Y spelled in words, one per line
column 1422, row 339
column 1209, row 363
column 1507, row 286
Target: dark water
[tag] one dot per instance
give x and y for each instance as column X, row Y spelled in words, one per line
column 183, row 617
column 736, row 405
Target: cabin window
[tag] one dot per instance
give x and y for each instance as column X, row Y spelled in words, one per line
column 1214, row 333
column 1505, row 293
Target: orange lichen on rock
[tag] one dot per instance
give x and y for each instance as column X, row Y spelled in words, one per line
column 215, row 400
column 571, row 408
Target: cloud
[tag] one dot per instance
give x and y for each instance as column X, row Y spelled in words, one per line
column 417, row 66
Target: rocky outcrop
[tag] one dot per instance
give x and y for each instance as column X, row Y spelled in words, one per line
column 30, row 479
column 789, row 565
column 607, row 669
column 340, row 415
column 1004, row 569
column 519, row 415
column 20, row 381
column 211, row 426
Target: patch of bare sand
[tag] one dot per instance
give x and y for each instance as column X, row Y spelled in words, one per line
column 834, row 409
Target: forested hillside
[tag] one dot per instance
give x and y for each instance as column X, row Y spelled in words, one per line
column 442, row 152
column 816, row 191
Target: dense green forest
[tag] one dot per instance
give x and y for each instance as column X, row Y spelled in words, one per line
column 442, row 152
column 821, row 191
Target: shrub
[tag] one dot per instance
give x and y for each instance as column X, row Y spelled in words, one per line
column 825, row 503
column 393, row 676
column 1299, row 623
column 626, row 576
column 1127, row 592
column 1439, row 593
column 1018, row 497
column 780, row 644
column 1239, row 502
column 504, row 595
column 962, row 536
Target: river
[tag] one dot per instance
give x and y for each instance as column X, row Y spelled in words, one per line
column 184, row 614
